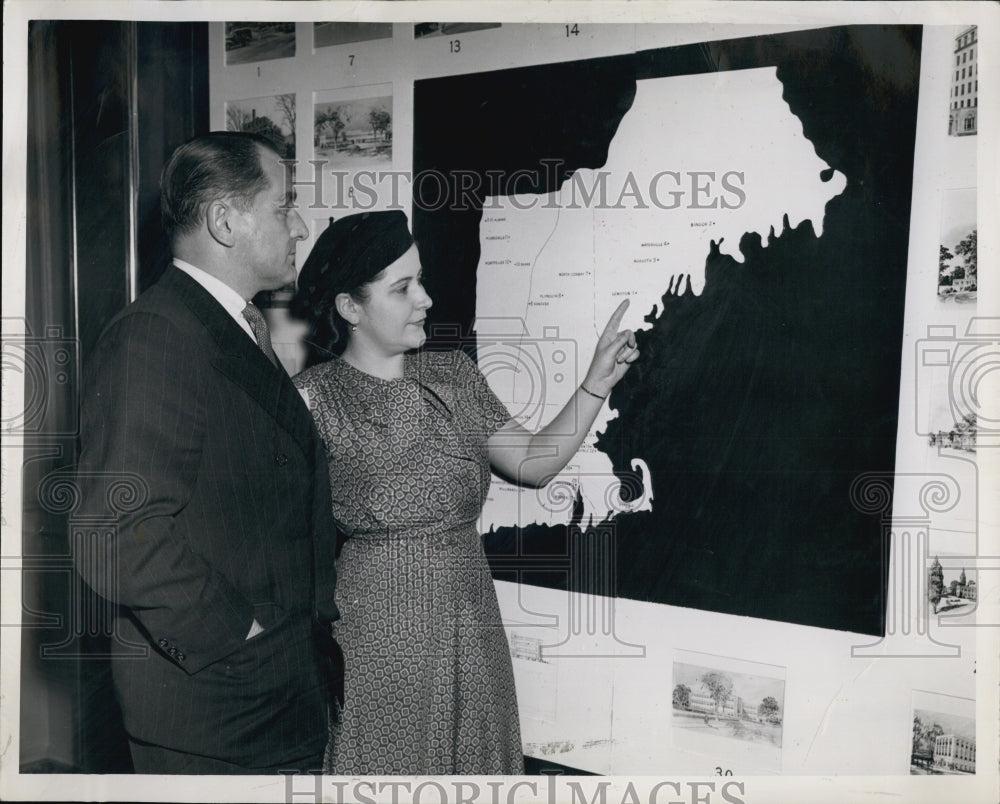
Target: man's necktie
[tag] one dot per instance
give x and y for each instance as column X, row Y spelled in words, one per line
column 257, row 323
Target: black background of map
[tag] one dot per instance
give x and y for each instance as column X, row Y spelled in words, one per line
column 755, row 405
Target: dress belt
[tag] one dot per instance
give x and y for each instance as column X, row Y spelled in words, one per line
column 412, row 533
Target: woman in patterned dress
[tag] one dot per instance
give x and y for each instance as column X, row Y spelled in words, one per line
column 411, row 438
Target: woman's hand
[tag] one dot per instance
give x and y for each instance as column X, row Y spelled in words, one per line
column 533, row 459
column 615, row 352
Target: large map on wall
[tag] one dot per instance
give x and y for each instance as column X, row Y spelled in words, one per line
column 750, row 198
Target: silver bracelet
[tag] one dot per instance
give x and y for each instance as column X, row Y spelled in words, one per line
column 596, row 396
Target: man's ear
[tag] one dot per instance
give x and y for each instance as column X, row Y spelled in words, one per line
column 219, row 217
column 347, row 308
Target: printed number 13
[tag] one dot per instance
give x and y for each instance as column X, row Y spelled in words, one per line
column 455, row 45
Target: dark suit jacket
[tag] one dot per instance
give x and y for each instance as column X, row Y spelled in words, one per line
column 209, row 459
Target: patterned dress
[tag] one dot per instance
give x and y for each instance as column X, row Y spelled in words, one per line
column 429, row 685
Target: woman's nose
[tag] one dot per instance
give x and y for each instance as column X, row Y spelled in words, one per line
column 425, row 301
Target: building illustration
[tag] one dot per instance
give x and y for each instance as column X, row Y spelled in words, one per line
column 964, row 95
column 954, row 753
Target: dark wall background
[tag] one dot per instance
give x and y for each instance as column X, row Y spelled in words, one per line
column 107, row 102
column 756, row 404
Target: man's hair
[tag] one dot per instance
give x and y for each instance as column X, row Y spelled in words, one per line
column 220, row 164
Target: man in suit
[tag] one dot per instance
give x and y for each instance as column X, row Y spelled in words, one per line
column 222, row 558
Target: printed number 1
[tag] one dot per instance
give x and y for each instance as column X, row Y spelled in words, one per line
column 455, row 45
column 573, row 30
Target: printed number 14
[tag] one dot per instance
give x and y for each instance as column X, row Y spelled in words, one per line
column 573, row 30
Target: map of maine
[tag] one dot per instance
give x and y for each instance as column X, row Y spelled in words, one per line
column 680, row 175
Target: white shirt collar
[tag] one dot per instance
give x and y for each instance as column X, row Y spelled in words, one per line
column 221, row 292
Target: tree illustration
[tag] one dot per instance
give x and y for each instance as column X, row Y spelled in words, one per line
column 286, row 103
column 237, row 118
column 380, row 121
column 944, row 269
column 930, row 735
column 922, row 752
column 935, row 585
column 329, row 123
column 719, row 687
column 682, row 697
column 769, row 710
column 266, row 127
column 967, row 251
column 961, row 436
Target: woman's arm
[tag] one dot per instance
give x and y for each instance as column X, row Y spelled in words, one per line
column 533, row 459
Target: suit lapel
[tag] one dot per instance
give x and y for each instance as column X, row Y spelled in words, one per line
column 242, row 362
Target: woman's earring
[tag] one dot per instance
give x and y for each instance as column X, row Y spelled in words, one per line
column 354, row 327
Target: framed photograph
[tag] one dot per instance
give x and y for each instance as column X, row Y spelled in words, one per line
column 259, row 41
column 328, row 34
column 272, row 116
column 957, row 262
column 963, row 100
column 353, row 130
column 944, row 735
column 952, row 587
column 423, row 30
column 728, row 707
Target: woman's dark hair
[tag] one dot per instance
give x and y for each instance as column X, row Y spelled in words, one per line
column 349, row 255
column 220, row 164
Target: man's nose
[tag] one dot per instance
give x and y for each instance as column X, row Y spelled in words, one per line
column 298, row 226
